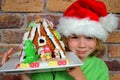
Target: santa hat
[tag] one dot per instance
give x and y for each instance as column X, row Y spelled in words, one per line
column 87, row 17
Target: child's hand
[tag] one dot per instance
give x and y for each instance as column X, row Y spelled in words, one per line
column 16, row 77
column 24, row 77
column 11, row 77
column 6, row 55
column 76, row 73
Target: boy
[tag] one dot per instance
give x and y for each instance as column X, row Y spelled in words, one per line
column 83, row 27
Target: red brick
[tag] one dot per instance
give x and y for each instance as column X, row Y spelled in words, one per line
column 12, row 36
column 119, row 22
column 22, row 5
column 53, row 18
column 58, row 5
column 115, row 77
column 114, row 37
column 112, row 5
column 113, row 65
column 114, row 51
column 10, row 21
column 5, row 47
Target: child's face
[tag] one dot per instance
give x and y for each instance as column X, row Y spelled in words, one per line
column 82, row 45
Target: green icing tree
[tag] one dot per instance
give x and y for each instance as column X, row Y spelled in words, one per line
column 30, row 52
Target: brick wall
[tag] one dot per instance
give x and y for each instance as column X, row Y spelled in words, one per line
column 15, row 14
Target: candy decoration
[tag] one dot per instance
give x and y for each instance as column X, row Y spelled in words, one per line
column 59, row 62
column 55, row 63
column 52, row 63
column 31, row 24
column 24, row 65
column 57, row 53
column 42, row 56
column 67, row 61
column 46, row 53
column 57, row 34
column 17, row 66
column 47, row 49
column 34, row 65
column 48, row 57
column 62, row 62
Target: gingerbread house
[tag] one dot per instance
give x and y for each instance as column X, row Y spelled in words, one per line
column 45, row 40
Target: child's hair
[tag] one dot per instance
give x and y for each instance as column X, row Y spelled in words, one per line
column 100, row 48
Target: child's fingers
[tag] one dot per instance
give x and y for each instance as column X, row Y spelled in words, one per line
column 6, row 55
column 4, row 58
column 70, row 69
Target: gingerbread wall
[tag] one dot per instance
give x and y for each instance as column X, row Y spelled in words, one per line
column 15, row 14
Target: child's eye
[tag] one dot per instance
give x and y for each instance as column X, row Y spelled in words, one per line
column 74, row 37
column 89, row 38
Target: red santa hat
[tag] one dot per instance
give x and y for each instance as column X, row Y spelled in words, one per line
column 87, row 17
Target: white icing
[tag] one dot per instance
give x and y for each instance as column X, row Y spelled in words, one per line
column 62, row 44
column 22, row 57
column 40, row 50
column 25, row 35
column 38, row 29
column 40, row 37
column 32, row 34
column 45, row 23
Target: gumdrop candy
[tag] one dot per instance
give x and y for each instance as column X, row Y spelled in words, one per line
column 24, row 65
column 34, row 65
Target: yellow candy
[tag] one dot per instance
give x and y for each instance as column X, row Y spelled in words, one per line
column 23, row 65
column 48, row 57
column 42, row 55
column 67, row 61
column 52, row 63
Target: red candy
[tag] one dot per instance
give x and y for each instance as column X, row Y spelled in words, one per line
column 17, row 66
column 47, row 49
column 34, row 65
column 62, row 62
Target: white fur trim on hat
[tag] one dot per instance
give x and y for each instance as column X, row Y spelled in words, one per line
column 110, row 22
column 71, row 25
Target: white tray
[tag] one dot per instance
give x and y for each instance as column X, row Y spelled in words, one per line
column 9, row 66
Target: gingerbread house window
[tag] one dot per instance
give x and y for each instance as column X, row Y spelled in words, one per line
column 41, row 41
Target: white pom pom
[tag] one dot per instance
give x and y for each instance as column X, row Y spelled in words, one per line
column 109, row 22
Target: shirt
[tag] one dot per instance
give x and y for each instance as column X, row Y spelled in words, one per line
column 93, row 69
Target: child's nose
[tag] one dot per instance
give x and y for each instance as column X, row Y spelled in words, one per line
column 81, row 42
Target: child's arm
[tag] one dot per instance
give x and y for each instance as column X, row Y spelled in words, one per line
column 24, row 77
column 76, row 73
